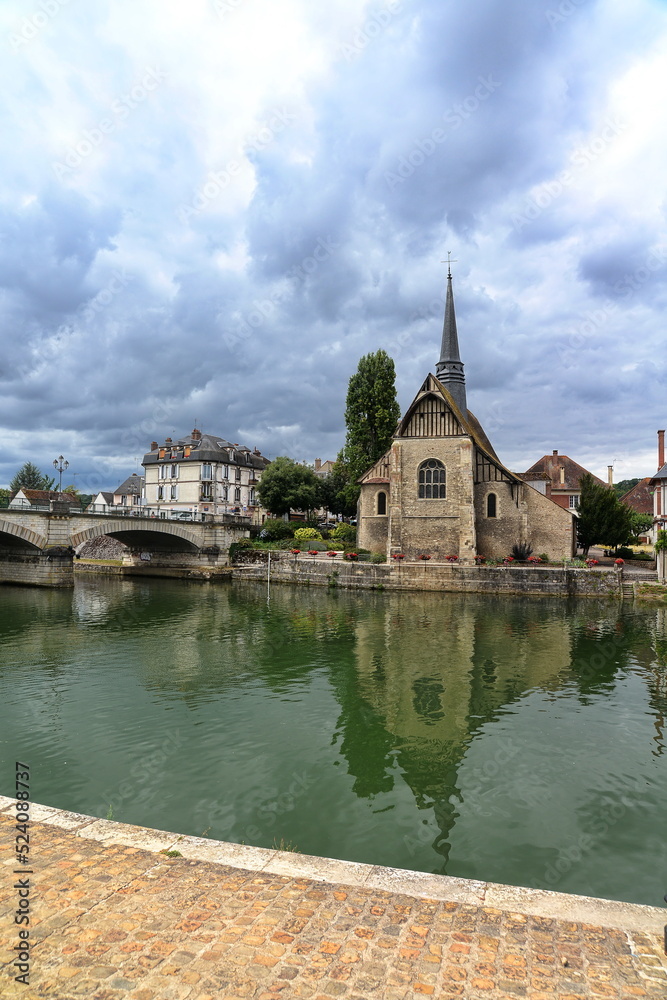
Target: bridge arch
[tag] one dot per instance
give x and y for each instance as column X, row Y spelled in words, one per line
column 30, row 539
column 163, row 534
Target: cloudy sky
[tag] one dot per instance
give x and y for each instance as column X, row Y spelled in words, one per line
column 210, row 210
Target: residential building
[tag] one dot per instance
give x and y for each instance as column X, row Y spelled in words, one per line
column 441, row 490
column 203, row 474
column 323, row 469
column 41, row 498
column 563, row 478
column 130, row 493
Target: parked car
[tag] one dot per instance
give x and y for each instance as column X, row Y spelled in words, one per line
column 182, row 515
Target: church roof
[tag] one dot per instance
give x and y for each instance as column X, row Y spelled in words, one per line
column 468, row 422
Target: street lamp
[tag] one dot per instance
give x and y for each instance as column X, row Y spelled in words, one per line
column 60, row 464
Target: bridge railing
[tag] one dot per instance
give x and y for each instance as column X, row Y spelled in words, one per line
column 120, row 510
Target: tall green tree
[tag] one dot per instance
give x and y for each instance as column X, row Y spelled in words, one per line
column 371, row 412
column 285, row 485
column 29, row 477
column 339, row 490
column 602, row 517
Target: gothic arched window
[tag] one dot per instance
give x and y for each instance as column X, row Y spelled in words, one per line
column 382, row 503
column 491, row 505
column 432, row 480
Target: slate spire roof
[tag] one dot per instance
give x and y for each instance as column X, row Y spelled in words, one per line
column 449, row 369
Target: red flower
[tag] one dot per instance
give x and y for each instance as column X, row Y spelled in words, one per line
column 332, row 553
column 351, row 555
column 312, row 552
column 398, row 555
column 479, row 559
column 619, row 562
column 452, row 558
column 295, row 552
column 424, row 556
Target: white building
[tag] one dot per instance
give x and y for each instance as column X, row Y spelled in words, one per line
column 203, row 474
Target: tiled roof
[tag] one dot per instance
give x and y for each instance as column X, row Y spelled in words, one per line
column 131, row 486
column 207, row 448
column 552, row 464
column 661, row 473
column 640, row 497
column 45, row 496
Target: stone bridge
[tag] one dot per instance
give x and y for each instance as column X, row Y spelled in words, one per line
column 38, row 547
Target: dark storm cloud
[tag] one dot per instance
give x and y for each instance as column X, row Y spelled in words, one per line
column 200, row 265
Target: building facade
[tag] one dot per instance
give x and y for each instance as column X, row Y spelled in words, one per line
column 441, row 490
column 203, row 474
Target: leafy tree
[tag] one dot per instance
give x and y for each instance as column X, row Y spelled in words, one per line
column 285, row 485
column 371, row 412
column 640, row 522
column 4, row 498
column 339, row 490
column 602, row 517
column 29, row 477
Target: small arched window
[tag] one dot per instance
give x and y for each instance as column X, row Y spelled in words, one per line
column 382, row 503
column 432, row 480
column 491, row 505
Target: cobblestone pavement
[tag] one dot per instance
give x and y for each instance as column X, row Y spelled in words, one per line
column 111, row 921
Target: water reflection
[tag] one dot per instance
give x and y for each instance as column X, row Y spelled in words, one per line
column 508, row 739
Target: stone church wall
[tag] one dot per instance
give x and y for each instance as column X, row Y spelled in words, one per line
column 437, row 527
column 552, row 529
column 496, row 535
column 535, row 519
column 372, row 528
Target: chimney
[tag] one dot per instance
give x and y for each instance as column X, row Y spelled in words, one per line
column 318, row 464
column 562, row 475
column 555, row 451
column 661, row 449
column 196, row 435
column 153, row 445
column 610, row 475
column 167, row 440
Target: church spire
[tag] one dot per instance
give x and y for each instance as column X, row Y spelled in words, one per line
column 449, row 369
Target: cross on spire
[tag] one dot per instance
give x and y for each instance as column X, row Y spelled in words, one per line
column 449, row 263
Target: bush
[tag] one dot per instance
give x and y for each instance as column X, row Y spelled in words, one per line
column 544, row 557
column 344, row 532
column 273, row 530
column 303, row 534
column 378, row 557
column 521, row 551
column 624, row 553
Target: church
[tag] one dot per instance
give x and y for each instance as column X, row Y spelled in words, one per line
column 441, row 490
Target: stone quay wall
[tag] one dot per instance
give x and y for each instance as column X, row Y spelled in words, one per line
column 324, row 571
column 41, row 569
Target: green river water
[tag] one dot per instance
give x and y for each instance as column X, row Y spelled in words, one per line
column 512, row 740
